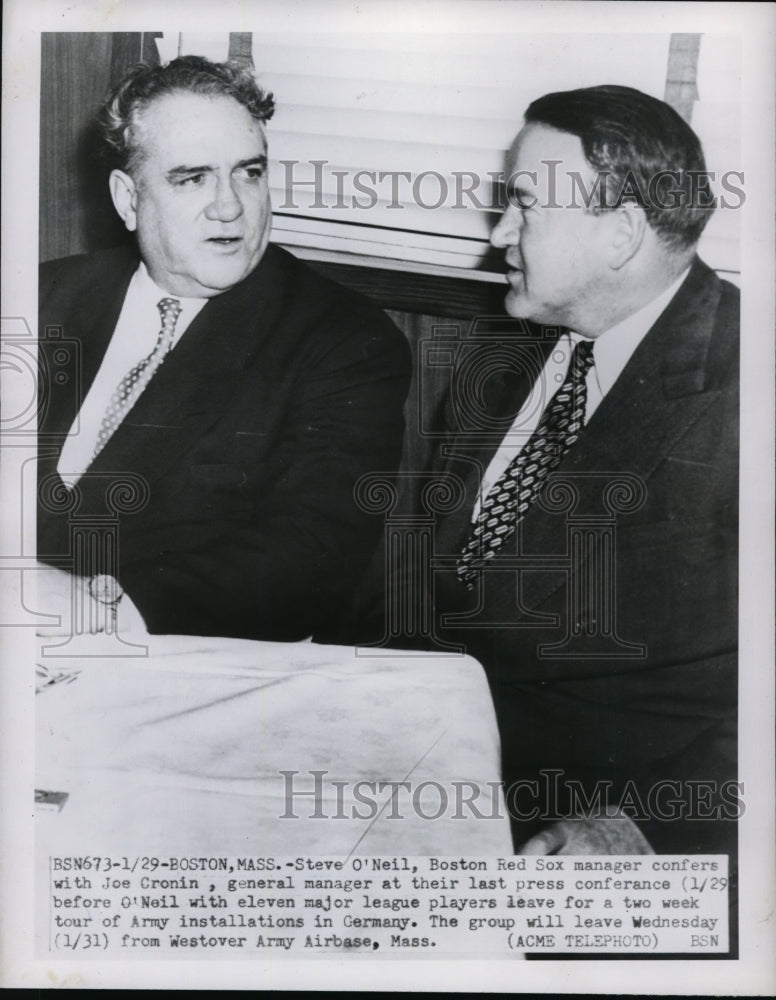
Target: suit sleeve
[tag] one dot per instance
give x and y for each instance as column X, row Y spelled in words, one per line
column 285, row 571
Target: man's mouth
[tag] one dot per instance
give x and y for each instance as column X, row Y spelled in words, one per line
column 224, row 240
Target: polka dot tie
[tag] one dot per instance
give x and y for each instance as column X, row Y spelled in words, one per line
column 519, row 486
column 130, row 388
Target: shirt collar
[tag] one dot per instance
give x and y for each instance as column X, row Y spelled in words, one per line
column 147, row 287
column 613, row 349
column 145, row 295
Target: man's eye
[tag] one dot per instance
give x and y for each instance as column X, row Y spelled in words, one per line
column 191, row 180
column 254, row 173
column 523, row 202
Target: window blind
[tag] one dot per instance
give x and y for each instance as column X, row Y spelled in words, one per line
column 387, row 149
column 717, row 120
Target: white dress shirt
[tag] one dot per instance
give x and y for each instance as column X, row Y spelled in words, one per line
column 611, row 352
column 133, row 339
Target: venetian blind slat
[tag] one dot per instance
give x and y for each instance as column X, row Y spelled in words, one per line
column 439, row 110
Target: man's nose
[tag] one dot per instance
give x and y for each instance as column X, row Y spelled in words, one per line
column 506, row 232
column 226, row 206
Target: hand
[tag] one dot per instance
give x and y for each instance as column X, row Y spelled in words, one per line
column 612, row 834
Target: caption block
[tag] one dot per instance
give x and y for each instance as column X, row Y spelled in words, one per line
column 175, row 907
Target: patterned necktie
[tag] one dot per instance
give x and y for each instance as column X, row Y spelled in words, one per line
column 521, row 483
column 129, row 389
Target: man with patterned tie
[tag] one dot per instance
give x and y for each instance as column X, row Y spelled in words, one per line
column 591, row 562
column 232, row 394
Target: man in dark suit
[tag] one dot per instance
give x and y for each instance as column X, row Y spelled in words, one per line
column 228, row 443
column 590, row 564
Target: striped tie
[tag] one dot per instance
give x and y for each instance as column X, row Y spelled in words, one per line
column 517, row 489
column 129, row 389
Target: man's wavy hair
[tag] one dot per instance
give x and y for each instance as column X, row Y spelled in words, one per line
column 117, row 119
column 643, row 151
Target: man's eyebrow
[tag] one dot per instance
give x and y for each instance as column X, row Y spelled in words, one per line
column 517, row 189
column 178, row 171
column 259, row 161
column 185, row 170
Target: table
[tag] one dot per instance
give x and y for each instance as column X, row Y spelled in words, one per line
column 183, row 751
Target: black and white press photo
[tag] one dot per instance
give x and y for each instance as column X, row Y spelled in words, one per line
column 386, row 495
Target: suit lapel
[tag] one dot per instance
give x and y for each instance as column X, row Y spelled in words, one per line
column 660, row 394
column 85, row 337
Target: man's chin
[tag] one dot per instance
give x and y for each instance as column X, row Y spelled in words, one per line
column 516, row 305
column 216, row 280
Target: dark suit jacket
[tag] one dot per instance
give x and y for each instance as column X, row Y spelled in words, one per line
column 248, row 441
column 655, row 700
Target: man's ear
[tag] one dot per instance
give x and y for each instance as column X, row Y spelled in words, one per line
column 628, row 227
column 124, row 195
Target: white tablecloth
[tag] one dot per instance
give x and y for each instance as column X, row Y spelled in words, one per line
column 183, row 751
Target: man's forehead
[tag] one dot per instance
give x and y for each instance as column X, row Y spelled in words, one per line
column 536, row 144
column 184, row 121
column 547, row 164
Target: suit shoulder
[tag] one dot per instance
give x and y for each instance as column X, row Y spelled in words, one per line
column 725, row 339
column 321, row 303
column 730, row 302
column 707, row 286
column 707, row 308
column 84, row 270
column 321, row 291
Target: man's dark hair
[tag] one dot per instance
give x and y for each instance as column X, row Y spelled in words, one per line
column 643, row 151
column 144, row 84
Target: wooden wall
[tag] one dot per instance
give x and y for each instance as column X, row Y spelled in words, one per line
column 77, row 69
